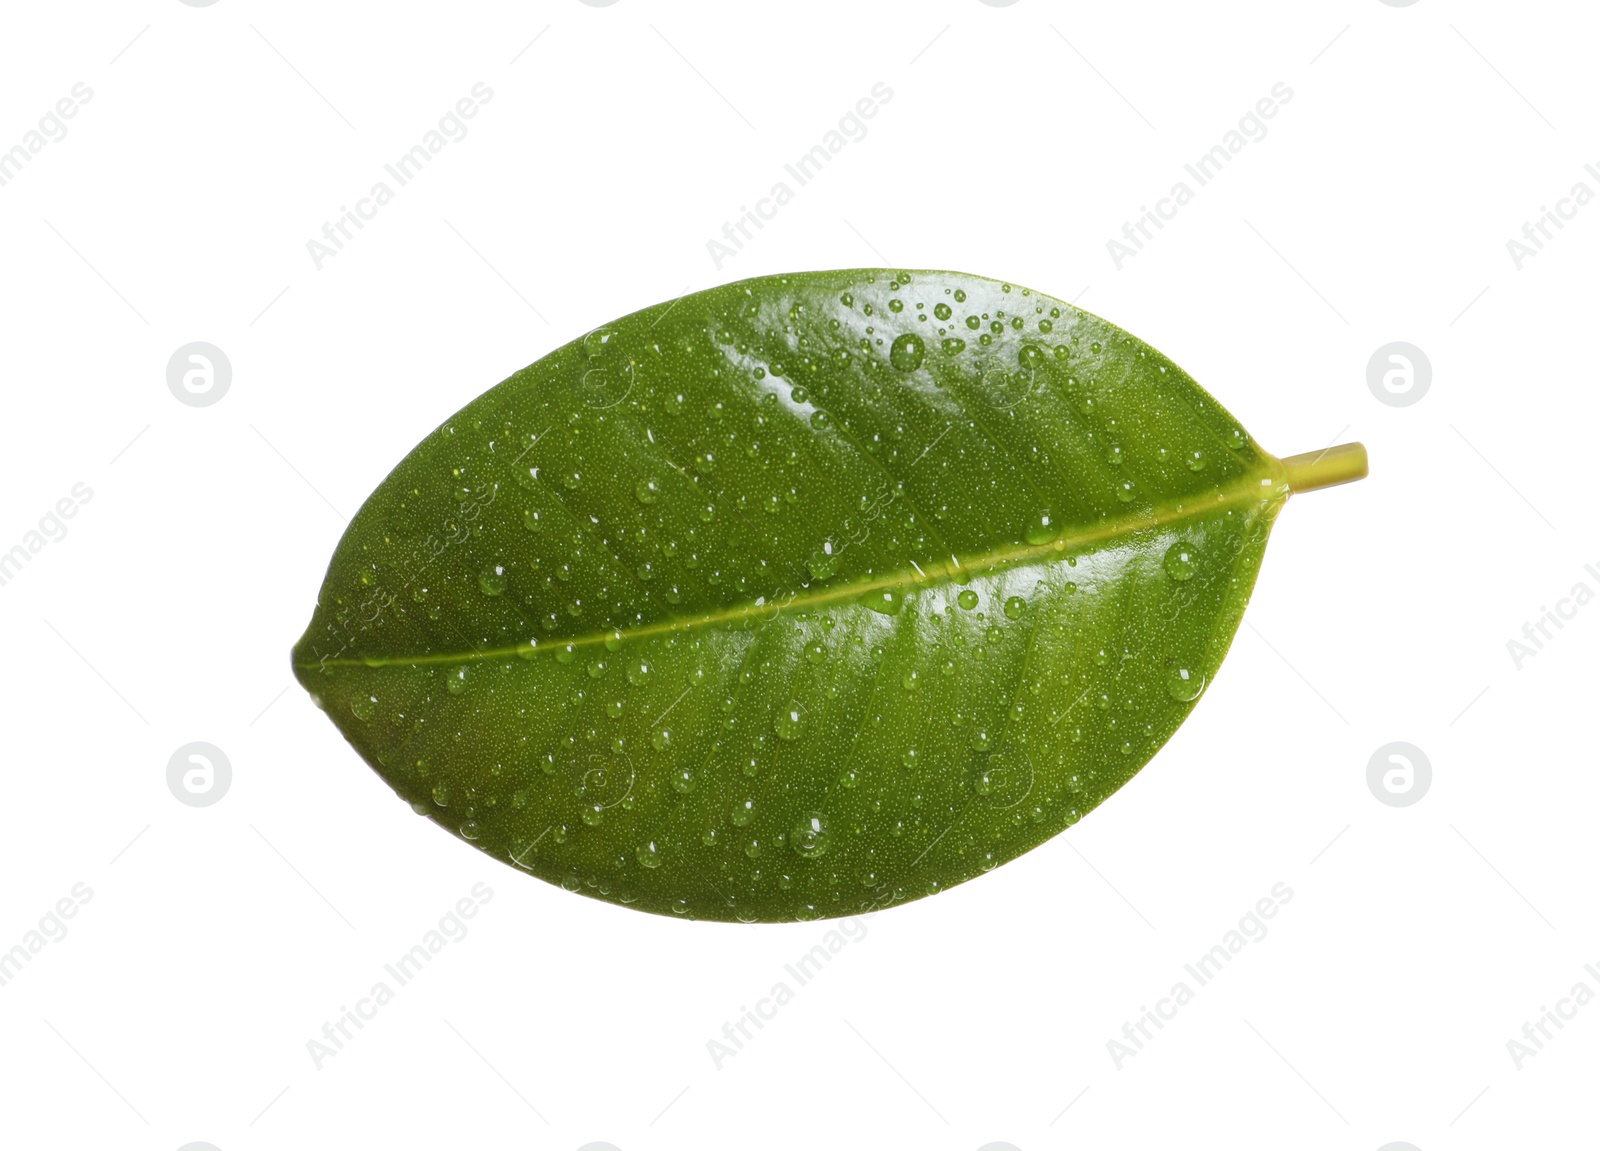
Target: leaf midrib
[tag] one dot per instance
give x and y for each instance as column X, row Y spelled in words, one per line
column 1248, row 487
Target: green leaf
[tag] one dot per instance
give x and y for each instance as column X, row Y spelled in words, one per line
column 798, row 597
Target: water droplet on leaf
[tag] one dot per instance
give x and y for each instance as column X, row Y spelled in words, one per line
column 1042, row 529
column 492, row 580
column 906, row 352
column 810, row 836
column 1184, row 685
column 1180, row 562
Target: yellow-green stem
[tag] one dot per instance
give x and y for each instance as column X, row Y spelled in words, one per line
column 1338, row 465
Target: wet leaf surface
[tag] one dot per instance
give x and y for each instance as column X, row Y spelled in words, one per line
column 795, row 597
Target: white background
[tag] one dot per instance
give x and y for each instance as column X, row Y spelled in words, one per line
column 219, row 940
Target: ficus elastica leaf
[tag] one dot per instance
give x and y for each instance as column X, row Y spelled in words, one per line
column 798, row 597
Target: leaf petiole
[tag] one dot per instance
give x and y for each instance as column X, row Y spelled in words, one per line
column 1325, row 469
